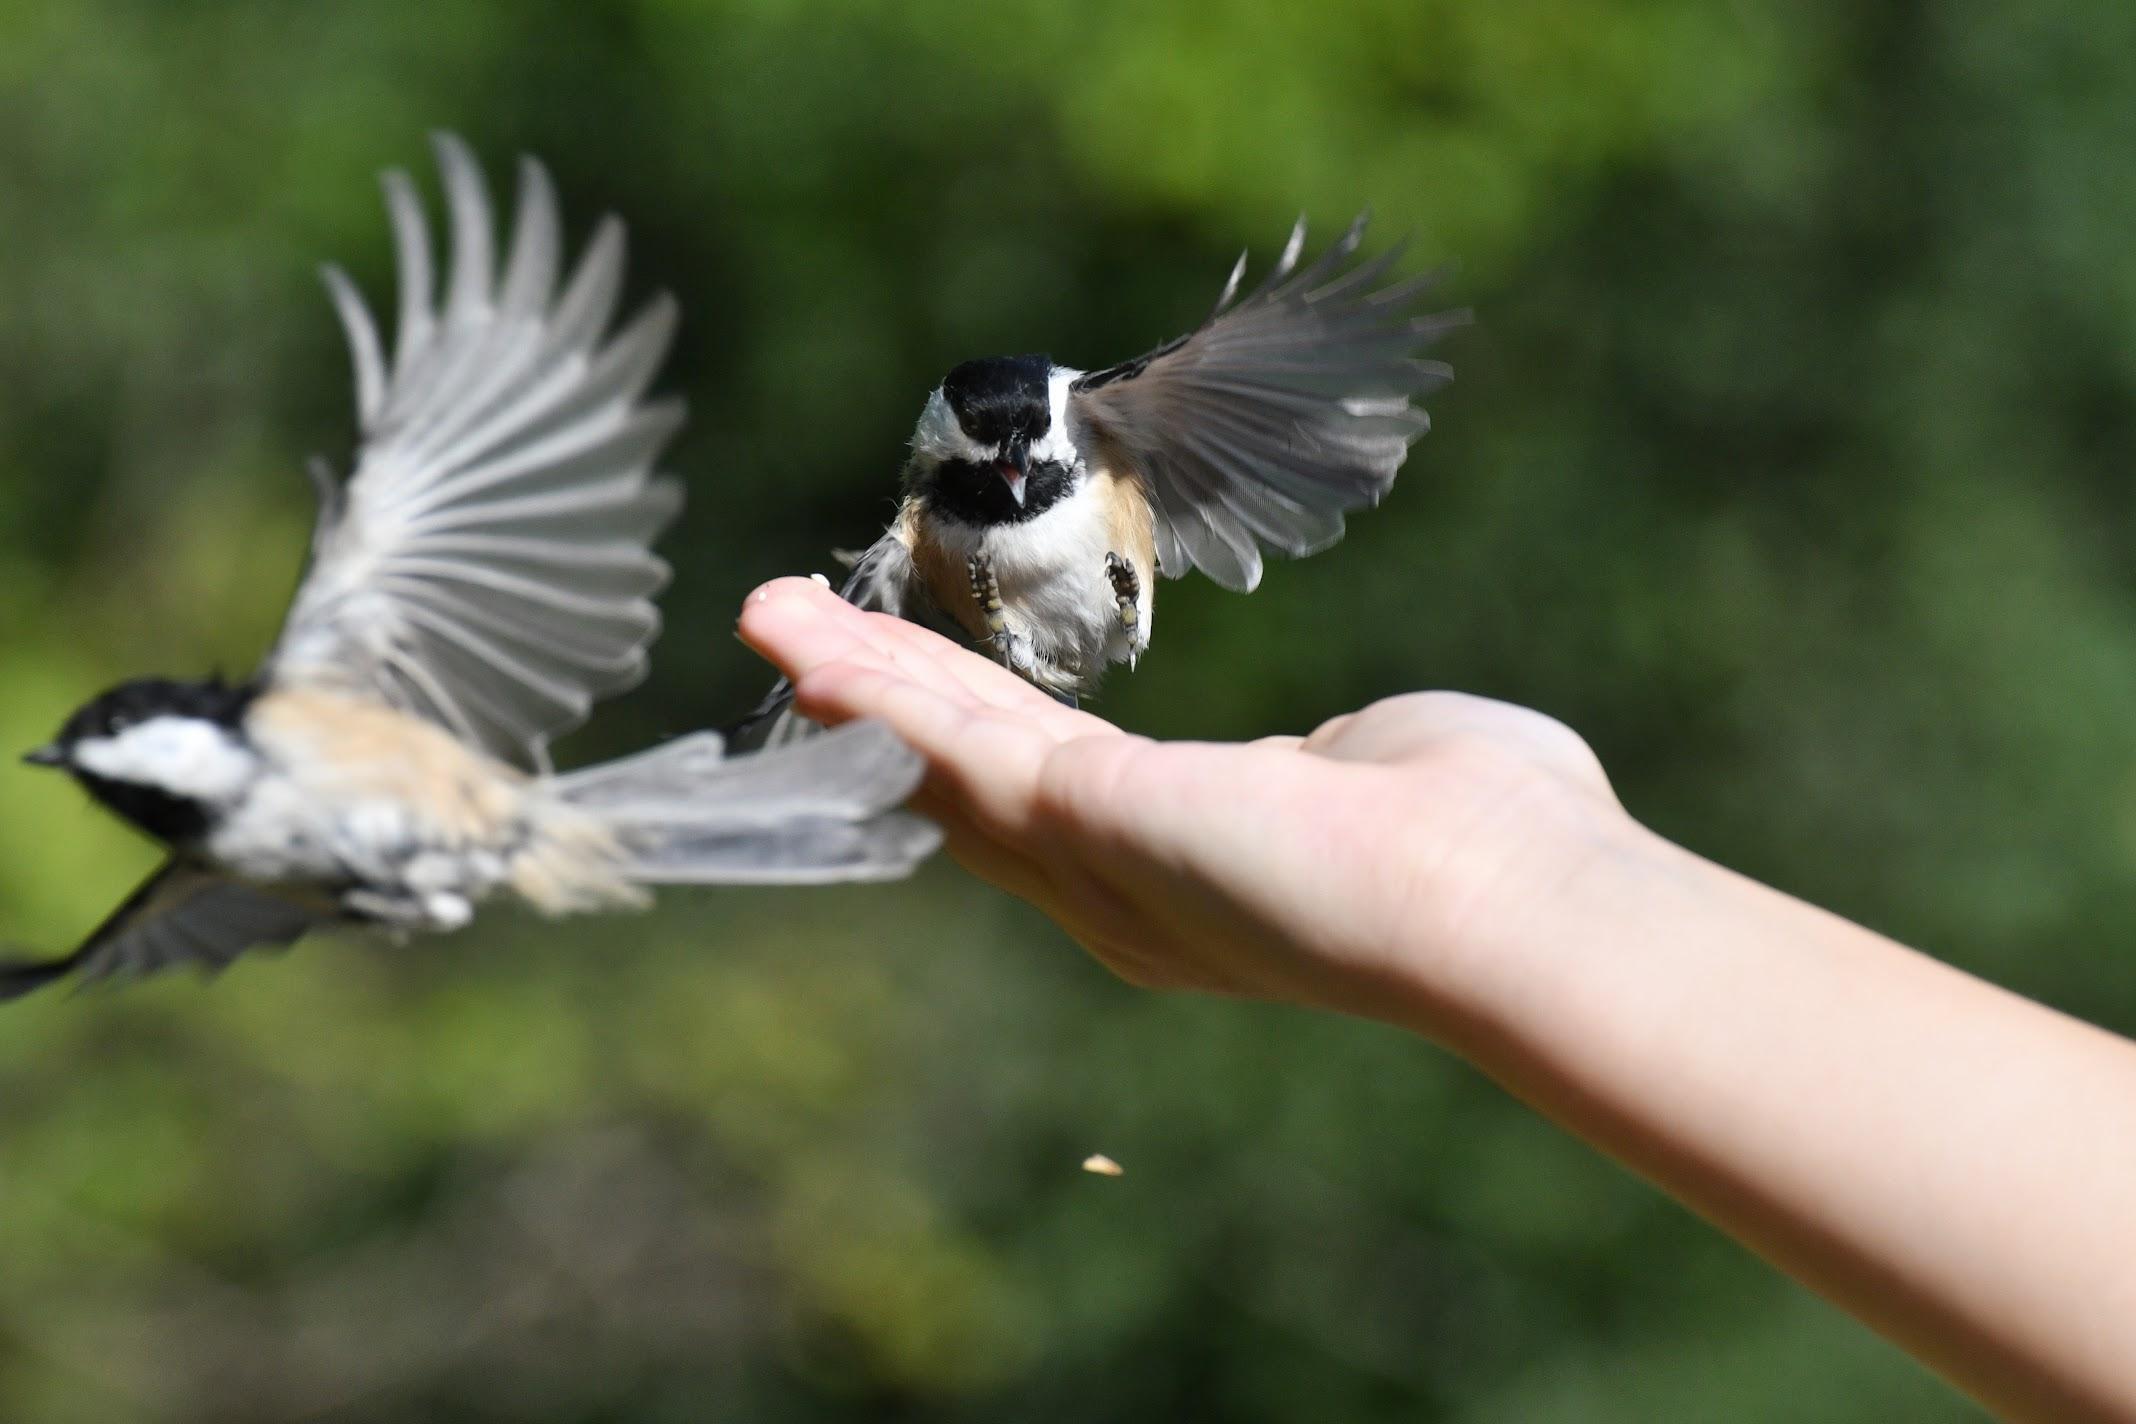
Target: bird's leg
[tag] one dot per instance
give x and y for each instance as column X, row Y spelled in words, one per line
column 1127, row 590
column 986, row 592
column 397, row 915
column 1127, row 598
column 1011, row 647
column 402, row 911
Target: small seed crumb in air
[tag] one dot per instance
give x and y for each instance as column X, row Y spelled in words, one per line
column 1100, row 1165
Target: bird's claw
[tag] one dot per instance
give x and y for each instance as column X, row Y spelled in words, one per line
column 1127, row 600
column 1127, row 590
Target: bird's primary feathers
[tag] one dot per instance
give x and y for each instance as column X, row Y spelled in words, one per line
column 1039, row 499
column 478, row 582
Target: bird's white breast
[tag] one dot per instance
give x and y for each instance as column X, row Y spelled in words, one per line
column 1051, row 569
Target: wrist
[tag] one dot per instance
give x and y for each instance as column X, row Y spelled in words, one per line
column 1500, row 908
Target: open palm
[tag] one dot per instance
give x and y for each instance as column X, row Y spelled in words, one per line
column 1293, row 868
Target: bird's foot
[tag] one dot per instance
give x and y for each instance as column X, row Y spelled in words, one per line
column 1012, row 648
column 1127, row 600
column 403, row 912
column 1127, row 590
column 986, row 592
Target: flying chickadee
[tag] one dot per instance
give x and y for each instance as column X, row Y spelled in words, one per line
column 1039, row 500
column 478, row 582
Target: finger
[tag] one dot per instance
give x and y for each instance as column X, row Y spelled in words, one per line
column 985, row 762
column 1278, row 742
column 986, row 857
column 801, row 625
column 997, row 863
column 799, row 596
column 986, row 679
column 790, row 622
column 1327, row 732
column 991, row 859
column 1417, row 724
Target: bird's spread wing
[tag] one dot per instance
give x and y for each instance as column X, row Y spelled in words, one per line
column 180, row 915
column 1275, row 416
column 487, row 565
column 882, row 578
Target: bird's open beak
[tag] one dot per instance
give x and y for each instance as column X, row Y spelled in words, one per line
column 1015, row 468
column 50, row 754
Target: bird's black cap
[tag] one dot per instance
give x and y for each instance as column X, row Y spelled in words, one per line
column 998, row 399
column 211, row 700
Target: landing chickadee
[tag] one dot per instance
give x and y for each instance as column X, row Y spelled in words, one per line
column 478, row 582
column 1039, row 499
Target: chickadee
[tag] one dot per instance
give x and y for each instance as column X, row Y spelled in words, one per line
column 478, row 582
column 1039, row 499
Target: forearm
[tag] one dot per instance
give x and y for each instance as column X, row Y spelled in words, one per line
column 1951, row 1163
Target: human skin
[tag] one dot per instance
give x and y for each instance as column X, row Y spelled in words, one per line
column 1950, row 1162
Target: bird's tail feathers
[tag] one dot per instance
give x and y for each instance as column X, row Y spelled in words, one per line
column 821, row 810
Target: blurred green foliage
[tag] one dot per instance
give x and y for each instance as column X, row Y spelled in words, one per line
column 1787, row 463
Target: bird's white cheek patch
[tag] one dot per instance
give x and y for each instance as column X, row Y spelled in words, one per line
column 1059, row 447
column 177, row 754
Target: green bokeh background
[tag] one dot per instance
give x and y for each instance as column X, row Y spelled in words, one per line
column 1788, row 462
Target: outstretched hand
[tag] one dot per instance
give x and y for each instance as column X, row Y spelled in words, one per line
column 1339, row 869
column 1459, row 867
